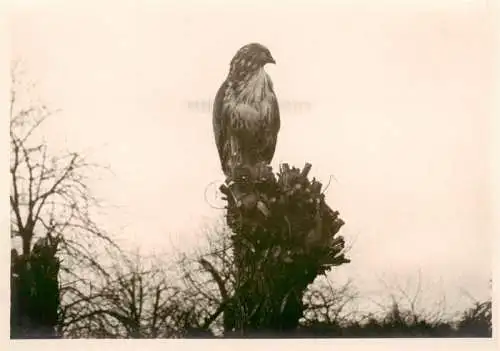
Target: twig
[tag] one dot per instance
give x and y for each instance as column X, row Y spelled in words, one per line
column 206, row 198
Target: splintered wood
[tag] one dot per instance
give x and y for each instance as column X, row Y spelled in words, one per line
column 284, row 236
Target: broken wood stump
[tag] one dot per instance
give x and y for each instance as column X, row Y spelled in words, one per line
column 284, row 236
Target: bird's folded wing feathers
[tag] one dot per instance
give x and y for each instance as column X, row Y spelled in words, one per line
column 274, row 117
column 219, row 120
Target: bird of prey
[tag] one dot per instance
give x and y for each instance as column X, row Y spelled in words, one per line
column 246, row 118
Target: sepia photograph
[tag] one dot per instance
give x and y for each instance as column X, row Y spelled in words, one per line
column 254, row 170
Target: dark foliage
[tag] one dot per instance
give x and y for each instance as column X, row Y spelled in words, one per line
column 476, row 321
column 35, row 292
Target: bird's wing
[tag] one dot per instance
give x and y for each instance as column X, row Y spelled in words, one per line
column 273, row 128
column 219, row 120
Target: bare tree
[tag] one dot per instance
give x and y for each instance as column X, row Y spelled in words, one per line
column 208, row 277
column 49, row 192
column 408, row 302
column 49, row 195
column 135, row 298
column 328, row 303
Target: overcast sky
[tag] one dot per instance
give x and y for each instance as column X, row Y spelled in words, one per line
column 394, row 102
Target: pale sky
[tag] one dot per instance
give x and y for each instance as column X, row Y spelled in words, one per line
column 394, row 101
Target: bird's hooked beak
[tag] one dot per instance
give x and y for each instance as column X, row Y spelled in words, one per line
column 268, row 58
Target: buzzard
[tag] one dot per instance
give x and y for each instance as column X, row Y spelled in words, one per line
column 246, row 117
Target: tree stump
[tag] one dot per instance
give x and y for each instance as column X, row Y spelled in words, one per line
column 284, row 236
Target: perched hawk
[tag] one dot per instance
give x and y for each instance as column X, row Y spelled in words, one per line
column 246, row 116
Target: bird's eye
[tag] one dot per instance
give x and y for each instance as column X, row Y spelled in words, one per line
column 265, row 55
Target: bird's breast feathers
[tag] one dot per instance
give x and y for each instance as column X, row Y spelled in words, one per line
column 250, row 101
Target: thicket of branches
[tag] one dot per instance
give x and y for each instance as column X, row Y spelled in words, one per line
column 63, row 286
column 187, row 302
column 133, row 298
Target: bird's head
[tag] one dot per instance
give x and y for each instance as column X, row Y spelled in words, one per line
column 251, row 57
